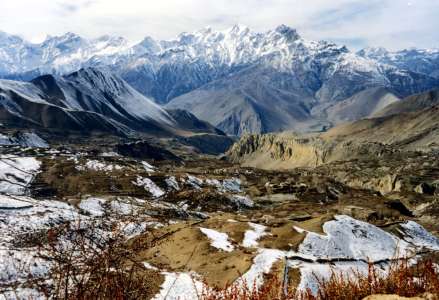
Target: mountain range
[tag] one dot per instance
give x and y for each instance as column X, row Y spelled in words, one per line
column 91, row 100
column 411, row 123
column 406, row 126
column 237, row 79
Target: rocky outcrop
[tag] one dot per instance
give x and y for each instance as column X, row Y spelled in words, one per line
column 144, row 150
column 385, row 184
column 288, row 150
column 284, row 151
column 212, row 144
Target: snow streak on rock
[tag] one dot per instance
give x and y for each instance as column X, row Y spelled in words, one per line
column 16, row 173
column 150, row 186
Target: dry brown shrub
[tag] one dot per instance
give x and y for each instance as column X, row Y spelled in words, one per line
column 96, row 265
column 402, row 279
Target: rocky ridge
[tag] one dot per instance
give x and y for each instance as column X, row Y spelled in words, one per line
column 210, row 66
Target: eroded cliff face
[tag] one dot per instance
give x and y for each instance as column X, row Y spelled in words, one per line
column 360, row 165
column 270, row 151
column 286, row 150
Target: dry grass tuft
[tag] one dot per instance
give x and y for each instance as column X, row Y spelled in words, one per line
column 271, row 290
column 403, row 280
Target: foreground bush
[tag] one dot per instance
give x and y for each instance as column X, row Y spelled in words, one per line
column 403, row 280
column 273, row 289
column 89, row 264
column 92, row 262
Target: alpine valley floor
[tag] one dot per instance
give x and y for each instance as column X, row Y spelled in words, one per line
column 201, row 222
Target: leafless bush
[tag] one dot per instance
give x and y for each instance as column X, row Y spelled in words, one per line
column 91, row 262
column 402, row 279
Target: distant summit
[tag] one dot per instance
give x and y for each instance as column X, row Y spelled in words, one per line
column 256, row 81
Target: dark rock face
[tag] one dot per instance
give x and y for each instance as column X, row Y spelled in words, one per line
column 425, row 188
column 144, row 150
column 91, row 100
column 208, row 143
column 189, row 122
column 42, row 115
column 171, row 80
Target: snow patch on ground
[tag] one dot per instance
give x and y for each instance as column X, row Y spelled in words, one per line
column 232, row 185
column 347, row 238
column 251, row 237
column 110, row 154
column 172, row 183
column 94, row 206
column 123, row 208
column 352, row 239
column 133, row 229
column 96, row 165
column 6, row 202
column 149, row 186
column 18, row 264
column 309, row 272
column 218, row 239
column 25, row 216
column 148, row 167
column 26, row 139
column 16, row 173
column 262, row 264
column 242, row 201
column 418, row 236
column 148, row 266
column 180, row 286
column 38, row 214
column 22, row 294
column 5, row 140
column 194, row 181
column 299, row 230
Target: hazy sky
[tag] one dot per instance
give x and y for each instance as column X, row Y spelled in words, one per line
column 391, row 23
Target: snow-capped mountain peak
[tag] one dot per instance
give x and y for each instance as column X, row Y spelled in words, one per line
column 425, row 61
column 164, row 69
column 66, row 42
column 288, row 32
column 6, row 39
column 239, row 29
column 373, row 52
column 233, row 46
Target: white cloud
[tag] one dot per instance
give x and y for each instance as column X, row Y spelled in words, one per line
column 390, row 23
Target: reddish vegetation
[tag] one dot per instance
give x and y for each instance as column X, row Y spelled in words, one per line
column 402, row 280
column 272, row 289
column 95, row 267
column 105, row 268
